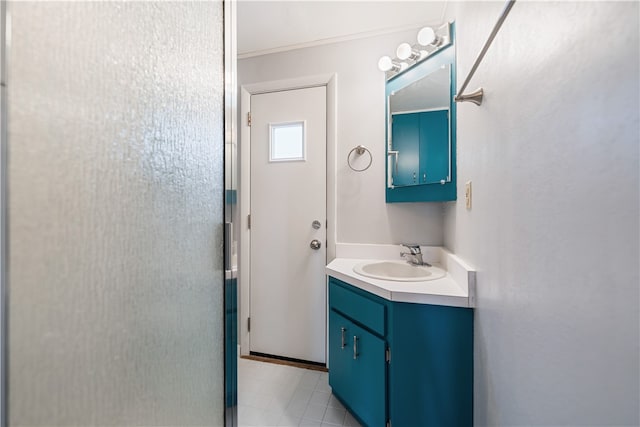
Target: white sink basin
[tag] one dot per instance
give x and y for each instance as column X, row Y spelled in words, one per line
column 400, row 271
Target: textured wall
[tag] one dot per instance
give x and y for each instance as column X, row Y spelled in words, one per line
column 362, row 214
column 115, row 213
column 553, row 155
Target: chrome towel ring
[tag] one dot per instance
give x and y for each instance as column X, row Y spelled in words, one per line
column 359, row 150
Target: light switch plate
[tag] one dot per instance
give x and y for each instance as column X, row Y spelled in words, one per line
column 467, row 194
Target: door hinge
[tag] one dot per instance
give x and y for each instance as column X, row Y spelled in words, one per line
column 248, row 324
column 249, row 118
column 387, row 355
column 249, row 221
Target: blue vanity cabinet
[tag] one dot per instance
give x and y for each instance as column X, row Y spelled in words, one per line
column 413, row 363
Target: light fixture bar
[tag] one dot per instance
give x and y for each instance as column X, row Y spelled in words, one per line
column 429, row 41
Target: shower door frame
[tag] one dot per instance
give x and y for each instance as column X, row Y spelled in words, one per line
column 230, row 187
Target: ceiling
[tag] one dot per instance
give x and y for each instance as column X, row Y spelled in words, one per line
column 274, row 26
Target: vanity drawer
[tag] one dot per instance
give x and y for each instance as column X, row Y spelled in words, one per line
column 357, row 307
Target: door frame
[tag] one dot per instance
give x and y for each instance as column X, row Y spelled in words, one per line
column 330, row 81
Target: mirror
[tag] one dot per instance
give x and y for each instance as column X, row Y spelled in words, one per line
column 420, row 139
column 421, row 130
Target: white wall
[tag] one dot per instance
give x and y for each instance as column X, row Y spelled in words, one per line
column 553, row 155
column 362, row 214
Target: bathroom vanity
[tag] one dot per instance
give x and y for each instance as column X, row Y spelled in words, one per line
column 401, row 352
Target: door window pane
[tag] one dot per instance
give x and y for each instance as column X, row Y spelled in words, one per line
column 287, row 142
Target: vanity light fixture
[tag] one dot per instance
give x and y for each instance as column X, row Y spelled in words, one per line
column 429, row 41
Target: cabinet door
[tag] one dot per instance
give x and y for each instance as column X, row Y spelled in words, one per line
column 406, row 141
column 431, row 371
column 340, row 359
column 357, row 369
column 369, row 369
column 434, row 147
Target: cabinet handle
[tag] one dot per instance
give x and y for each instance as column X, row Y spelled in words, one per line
column 343, row 342
column 396, row 154
column 355, row 347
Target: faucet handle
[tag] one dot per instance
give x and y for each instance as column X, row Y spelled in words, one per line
column 413, row 248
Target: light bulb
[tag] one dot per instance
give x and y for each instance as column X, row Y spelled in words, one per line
column 426, row 36
column 404, row 51
column 386, row 63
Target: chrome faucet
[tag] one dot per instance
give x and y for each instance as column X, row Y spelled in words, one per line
column 414, row 256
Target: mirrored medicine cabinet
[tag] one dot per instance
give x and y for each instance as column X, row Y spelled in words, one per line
column 421, row 127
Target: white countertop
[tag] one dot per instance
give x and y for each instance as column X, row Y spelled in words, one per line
column 455, row 289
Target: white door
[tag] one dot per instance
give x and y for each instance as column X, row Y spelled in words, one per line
column 288, row 217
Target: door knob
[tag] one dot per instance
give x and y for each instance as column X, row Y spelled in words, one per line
column 315, row 244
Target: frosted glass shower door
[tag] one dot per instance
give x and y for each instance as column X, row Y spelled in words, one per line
column 115, row 211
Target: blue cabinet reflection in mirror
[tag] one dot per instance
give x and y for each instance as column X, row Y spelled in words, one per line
column 421, row 130
column 423, row 140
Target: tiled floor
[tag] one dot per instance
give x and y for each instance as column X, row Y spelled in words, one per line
column 279, row 395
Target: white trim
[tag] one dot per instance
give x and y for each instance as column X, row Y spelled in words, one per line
column 244, row 188
column 332, row 166
column 5, row 47
column 338, row 39
column 244, row 275
column 288, row 84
